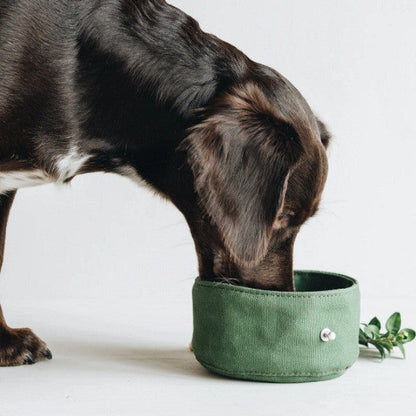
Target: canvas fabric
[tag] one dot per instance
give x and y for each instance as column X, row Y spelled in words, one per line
column 274, row 336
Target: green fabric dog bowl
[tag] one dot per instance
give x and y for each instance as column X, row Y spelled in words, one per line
column 284, row 337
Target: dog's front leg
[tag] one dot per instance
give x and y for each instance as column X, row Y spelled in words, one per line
column 17, row 346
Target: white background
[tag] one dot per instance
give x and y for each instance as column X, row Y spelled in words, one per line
column 102, row 269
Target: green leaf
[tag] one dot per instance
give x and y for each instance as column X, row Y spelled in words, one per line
column 381, row 350
column 362, row 339
column 374, row 330
column 387, row 344
column 367, row 331
column 407, row 335
column 375, row 321
column 394, row 323
column 401, row 348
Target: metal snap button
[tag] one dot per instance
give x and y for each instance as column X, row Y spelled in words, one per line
column 328, row 335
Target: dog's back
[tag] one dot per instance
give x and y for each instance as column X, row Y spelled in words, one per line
column 79, row 79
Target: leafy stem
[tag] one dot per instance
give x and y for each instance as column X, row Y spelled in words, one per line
column 385, row 342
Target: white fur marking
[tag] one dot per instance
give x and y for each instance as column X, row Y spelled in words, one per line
column 70, row 164
column 21, row 179
column 131, row 173
column 66, row 167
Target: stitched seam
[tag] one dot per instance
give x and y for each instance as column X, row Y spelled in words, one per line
column 257, row 373
column 277, row 295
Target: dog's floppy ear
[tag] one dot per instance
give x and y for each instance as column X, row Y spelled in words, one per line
column 241, row 156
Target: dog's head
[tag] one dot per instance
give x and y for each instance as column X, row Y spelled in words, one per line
column 259, row 166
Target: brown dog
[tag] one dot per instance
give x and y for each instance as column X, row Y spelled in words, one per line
column 135, row 87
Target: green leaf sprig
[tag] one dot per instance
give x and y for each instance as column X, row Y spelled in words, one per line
column 385, row 342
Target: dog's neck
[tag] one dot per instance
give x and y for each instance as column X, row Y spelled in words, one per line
column 128, row 125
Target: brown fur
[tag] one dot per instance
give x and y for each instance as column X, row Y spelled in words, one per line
column 137, row 84
column 17, row 346
column 259, row 175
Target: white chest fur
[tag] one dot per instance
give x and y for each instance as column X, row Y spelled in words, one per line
column 64, row 167
column 21, row 178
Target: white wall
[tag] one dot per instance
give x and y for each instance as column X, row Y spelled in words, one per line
column 355, row 62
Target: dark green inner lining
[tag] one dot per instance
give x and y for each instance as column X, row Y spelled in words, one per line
column 309, row 281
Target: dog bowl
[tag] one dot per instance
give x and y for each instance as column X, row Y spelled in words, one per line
column 283, row 337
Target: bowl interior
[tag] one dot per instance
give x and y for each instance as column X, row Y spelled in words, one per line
column 313, row 281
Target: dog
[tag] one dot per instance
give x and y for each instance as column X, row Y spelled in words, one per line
column 135, row 87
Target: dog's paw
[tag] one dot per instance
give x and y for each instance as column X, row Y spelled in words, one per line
column 21, row 346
